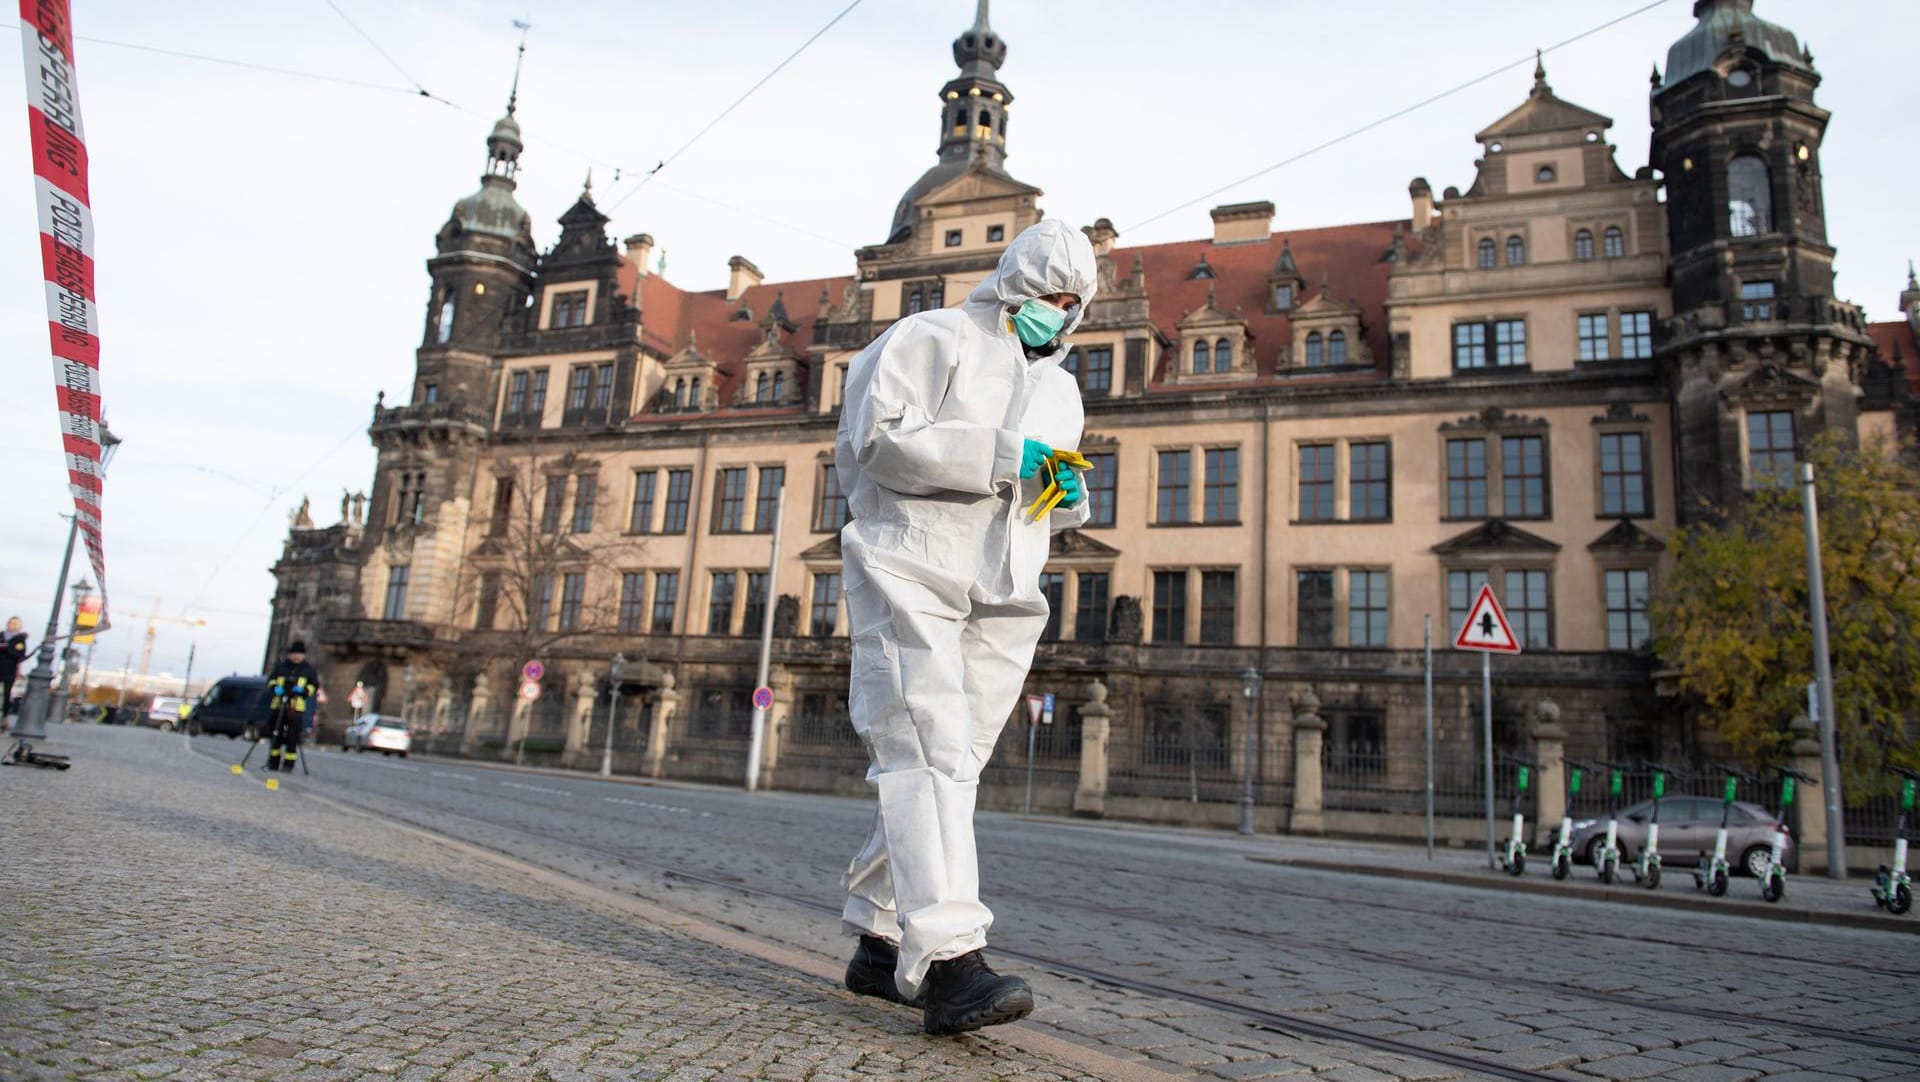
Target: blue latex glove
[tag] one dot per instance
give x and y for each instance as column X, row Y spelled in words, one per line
column 1072, row 491
column 1033, row 455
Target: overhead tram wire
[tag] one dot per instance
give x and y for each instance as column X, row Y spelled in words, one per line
column 181, row 54
column 737, row 102
column 388, row 57
column 1416, row 106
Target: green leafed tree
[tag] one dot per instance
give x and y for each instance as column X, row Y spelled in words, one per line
column 1733, row 616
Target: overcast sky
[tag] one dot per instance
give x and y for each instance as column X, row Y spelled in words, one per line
column 262, row 237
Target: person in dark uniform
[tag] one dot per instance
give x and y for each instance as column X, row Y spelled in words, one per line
column 13, row 651
column 295, row 685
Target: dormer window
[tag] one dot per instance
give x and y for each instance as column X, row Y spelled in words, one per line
column 1486, row 252
column 1316, row 350
column 1222, row 356
column 1516, row 252
column 1282, row 298
column 569, row 309
column 1201, row 354
column 1337, row 348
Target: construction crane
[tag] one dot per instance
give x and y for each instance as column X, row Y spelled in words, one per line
column 154, row 619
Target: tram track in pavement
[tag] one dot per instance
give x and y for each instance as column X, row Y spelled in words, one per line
column 1287, row 1022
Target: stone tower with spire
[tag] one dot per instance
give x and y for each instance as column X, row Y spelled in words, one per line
column 973, row 121
column 1763, row 356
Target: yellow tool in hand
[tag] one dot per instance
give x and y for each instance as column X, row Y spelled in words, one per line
column 1051, row 496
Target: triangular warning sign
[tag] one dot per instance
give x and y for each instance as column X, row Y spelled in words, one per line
column 1486, row 627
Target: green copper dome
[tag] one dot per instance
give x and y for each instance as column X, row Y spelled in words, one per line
column 1723, row 24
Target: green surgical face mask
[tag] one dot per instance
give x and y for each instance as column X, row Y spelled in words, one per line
column 1038, row 323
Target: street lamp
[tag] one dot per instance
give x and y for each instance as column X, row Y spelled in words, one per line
column 58, row 697
column 1249, row 687
column 32, row 724
column 614, row 669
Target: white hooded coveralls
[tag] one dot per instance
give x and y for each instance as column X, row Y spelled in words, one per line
column 942, row 580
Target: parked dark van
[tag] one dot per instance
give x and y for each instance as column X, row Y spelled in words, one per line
column 235, row 706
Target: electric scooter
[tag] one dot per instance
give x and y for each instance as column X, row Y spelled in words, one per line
column 1514, row 857
column 1892, row 887
column 1714, row 872
column 1562, row 864
column 1773, row 884
column 1646, row 870
column 1606, row 858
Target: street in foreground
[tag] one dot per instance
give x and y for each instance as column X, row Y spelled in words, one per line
column 426, row 919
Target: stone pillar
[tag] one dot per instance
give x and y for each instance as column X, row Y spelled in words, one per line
column 477, row 706
column 581, row 723
column 1550, row 751
column 666, row 702
column 780, row 680
column 442, row 707
column 1096, row 724
column 1810, row 833
column 1309, row 815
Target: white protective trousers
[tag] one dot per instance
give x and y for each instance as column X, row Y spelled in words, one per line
column 941, row 574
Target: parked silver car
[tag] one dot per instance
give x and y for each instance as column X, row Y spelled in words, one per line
column 376, row 732
column 1687, row 828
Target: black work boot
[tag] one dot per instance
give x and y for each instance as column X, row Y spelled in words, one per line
column 964, row 993
column 871, row 971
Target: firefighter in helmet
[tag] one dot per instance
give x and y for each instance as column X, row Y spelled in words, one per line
column 295, row 685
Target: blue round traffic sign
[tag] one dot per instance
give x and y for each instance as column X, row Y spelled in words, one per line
column 763, row 698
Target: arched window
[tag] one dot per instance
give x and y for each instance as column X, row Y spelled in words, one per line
column 1583, row 245
column 1616, row 242
column 779, row 387
column 1486, row 251
column 1200, row 356
column 959, row 119
column 937, row 292
column 1222, row 356
column 916, row 301
column 1749, row 197
column 760, row 388
column 680, row 394
column 1337, row 348
column 693, row 394
column 443, row 329
column 986, row 120
column 1314, row 348
column 1516, row 251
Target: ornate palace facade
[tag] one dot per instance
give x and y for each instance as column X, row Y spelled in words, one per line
column 1308, row 440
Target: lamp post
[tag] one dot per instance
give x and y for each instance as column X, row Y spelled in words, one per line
column 1249, row 687
column 63, row 691
column 614, row 669
column 33, row 711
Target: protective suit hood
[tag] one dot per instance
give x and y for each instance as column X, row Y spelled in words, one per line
column 1047, row 257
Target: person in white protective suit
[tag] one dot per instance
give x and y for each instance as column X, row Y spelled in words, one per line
column 948, row 420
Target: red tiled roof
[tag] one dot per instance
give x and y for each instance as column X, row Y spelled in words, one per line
column 1898, row 347
column 668, row 313
column 1352, row 258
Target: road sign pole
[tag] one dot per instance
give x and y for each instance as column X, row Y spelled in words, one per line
column 1429, row 646
column 759, row 728
column 1032, row 732
column 1823, row 674
column 1486, row 734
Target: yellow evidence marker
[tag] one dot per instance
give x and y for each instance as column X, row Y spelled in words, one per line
column 1051, row 496
column 236, row 770
column 272, row 784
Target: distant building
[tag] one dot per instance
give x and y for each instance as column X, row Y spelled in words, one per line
column 1307, row 440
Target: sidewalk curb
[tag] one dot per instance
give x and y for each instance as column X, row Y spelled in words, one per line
column 1622, row 896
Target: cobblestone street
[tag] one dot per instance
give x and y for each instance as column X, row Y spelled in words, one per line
column 554, row 926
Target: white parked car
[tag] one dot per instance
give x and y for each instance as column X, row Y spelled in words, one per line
column 375, row 732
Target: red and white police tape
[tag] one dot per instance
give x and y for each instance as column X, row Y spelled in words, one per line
column 66, row 256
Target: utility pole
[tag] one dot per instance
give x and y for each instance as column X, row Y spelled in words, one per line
column 1823, row 675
